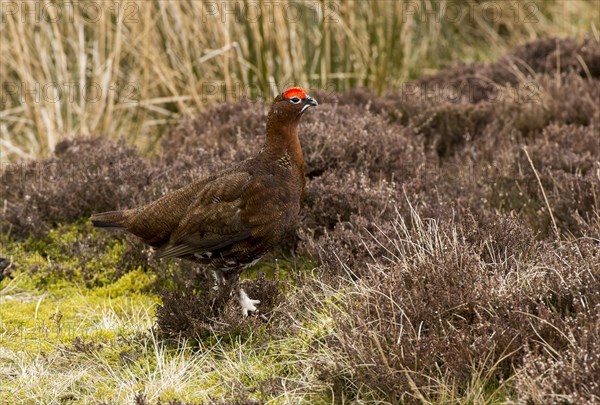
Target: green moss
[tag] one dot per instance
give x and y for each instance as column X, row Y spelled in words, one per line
column 77, row 300
column 283, row 268
column 74, row 252
column 132, row 283
column 66, row 310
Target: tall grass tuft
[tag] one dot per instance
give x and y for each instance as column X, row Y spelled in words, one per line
column 130, row 68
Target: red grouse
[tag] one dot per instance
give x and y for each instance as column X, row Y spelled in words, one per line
column 231, row 219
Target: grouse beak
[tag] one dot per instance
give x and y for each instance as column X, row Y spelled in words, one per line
column 308, row 102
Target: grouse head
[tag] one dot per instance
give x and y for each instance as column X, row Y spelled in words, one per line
column 282, row 123
column 289, row 106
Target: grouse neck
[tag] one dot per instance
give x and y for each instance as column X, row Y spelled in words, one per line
column 282, row 140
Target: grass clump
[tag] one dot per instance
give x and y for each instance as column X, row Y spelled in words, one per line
column 157, row 63
column 435, row 318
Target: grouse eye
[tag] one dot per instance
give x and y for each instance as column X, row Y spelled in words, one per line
column 295, row 100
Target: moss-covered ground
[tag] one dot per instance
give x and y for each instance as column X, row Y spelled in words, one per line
column 66, row 337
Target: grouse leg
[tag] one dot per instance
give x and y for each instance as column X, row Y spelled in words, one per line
column 219, row 279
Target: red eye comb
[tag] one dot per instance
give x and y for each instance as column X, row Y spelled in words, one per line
column 295, row 92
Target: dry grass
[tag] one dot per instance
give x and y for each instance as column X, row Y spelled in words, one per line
column 71, row 69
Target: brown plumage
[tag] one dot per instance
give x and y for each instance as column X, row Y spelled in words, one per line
column 230, row 219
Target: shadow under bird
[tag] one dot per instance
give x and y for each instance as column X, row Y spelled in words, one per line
column 229, row 220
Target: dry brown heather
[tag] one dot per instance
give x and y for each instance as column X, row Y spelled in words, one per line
column 458, row 237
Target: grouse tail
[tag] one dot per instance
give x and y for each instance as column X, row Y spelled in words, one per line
column 111, row 219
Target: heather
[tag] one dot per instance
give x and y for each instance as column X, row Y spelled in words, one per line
column 448, row 252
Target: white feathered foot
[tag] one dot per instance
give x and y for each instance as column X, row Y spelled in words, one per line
column 249, row 306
